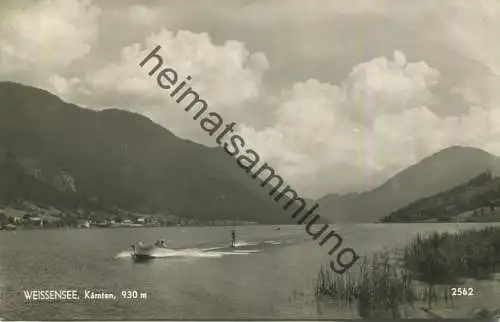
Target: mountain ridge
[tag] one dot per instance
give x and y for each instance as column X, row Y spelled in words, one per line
column 76, row 157
column 438, row 172
column 475, row 200
column 117, row 159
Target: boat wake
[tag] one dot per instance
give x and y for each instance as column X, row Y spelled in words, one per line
column 241, row 248
column 273, row 242
column 187, row 253
column 238, row 244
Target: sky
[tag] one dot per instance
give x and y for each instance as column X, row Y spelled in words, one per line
column 338, row 96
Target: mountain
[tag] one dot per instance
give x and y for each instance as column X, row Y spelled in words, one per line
column 437, row 173
column 475, row 200
column 58, row 154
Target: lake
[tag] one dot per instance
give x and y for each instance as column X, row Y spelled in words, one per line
column 271, row 277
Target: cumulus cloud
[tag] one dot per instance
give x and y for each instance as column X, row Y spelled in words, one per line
column 383, row 86
column 47, row 36
column 472, row 30
column 321, row 135
column 375, row 123
column 225, row 75
column 139, row 14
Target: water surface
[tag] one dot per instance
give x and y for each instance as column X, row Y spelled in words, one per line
column 270, row 277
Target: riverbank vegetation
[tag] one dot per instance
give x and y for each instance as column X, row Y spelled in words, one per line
column 423, row 271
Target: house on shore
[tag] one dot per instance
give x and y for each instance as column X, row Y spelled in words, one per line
column 36, row 221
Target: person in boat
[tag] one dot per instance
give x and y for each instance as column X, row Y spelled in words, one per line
column 160, row 243
column 133, row 248
column 233, row 238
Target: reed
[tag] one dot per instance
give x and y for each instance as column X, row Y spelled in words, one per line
column 444, row 258
column 382, row 285
column 378, row 288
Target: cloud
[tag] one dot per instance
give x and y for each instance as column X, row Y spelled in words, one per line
column 295, row 10
column 330, row 133
column 473, row 28
column 225, row 75
column 373, row 124
column 383, row 86
column 47, row 36
column 139, row 14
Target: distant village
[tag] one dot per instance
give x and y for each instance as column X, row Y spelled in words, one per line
column 30, row 217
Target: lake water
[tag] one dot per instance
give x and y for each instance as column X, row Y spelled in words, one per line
column 270, row 278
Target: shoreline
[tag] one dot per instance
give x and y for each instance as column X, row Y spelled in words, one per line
column 448, row 275
column 17, row 228
column 20, row 228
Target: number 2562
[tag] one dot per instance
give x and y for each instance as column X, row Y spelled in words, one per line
column 462, row 291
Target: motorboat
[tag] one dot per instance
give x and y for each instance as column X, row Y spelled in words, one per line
column 141, row 252
column 8, row 227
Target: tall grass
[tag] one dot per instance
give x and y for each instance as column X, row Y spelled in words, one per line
column 378, row 288
column 444, row 258
column 382, row 286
